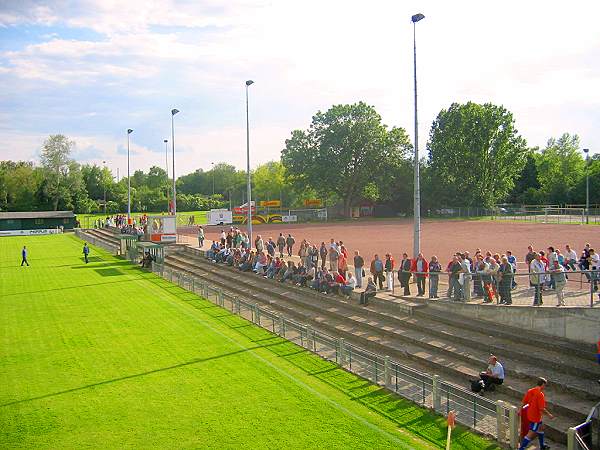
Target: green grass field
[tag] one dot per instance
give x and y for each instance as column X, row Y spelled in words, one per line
column 107, row 356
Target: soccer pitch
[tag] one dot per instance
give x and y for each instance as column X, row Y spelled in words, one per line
column 104, row 355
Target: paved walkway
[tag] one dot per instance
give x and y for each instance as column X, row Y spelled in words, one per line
column 577, row 291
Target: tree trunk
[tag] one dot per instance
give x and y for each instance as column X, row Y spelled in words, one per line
column 348, row 207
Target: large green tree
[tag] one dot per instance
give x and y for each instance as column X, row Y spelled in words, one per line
column 346, row 154
column 475, row 153
column 56, row 162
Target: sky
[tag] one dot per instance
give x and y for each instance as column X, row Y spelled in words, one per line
column 91, row 69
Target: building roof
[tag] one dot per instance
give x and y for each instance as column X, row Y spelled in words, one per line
column 37, row 215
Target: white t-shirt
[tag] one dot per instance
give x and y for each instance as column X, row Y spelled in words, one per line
column 497, row 370
column 571, row 255
column 595, row 263
column 351, row 282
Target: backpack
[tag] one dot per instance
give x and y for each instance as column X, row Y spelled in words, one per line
column 477, row 385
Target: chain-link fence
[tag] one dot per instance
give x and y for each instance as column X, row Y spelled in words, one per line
column 495, row 419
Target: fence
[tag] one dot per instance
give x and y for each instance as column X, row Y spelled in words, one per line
column 495, row 419
column 548, row 214
column 586, row 436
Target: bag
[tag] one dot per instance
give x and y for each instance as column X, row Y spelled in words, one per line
column 363, row 273
column 477, row 385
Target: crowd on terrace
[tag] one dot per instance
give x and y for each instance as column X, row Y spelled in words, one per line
column 328, row 268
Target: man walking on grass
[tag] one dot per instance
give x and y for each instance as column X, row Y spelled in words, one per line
column 24, row 256
column 86, row 252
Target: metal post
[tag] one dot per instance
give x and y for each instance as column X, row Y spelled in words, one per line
column 513, row 427
column 173, row 112
column 571, row 438
column 257, row 313
column 249, row 187
column 587, row 185
column 129, row 131
column 435, row 393
column 309, row 340
column 281, row 326
column 417, row 191
column 387, row 373
column 341, row 361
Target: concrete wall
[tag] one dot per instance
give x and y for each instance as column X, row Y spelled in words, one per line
column 577, row 324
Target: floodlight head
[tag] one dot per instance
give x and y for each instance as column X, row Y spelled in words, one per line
column 129, row 131
column 249, row 82
column 417, row 17
column 174, row 111
column 165, row 141
column 586, row 150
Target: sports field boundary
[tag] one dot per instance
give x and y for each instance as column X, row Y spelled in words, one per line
column 493, row 420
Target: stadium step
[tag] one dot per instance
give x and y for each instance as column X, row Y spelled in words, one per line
column 107, row 240
column 385, row 334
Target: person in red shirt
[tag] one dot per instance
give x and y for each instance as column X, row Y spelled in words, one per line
column 534, row 406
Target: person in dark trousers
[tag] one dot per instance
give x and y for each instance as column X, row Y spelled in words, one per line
column 369, row 292
column 404, row 273
column 289, row 243
column 323, row 254
column 24, row 256
column 86, row 252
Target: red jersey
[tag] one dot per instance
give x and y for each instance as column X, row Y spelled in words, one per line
column 537, row 403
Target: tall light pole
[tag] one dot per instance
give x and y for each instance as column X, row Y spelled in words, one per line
column 249, row 202
column 129, row 131
column 587, row 184
column 173, row 112
column 417, row 188
column 166, row 141
column 104, row 184
column 213, row 176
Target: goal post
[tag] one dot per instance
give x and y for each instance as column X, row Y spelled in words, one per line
column 309, row 215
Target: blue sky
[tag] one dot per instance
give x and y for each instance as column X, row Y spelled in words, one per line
column 91, row 69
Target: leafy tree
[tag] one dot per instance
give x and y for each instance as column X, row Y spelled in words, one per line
column 55, row 160
column 157, row 178
column 270, row 183
column 475, row 153
column 560, row 166
column 527, row 183
column 344, row 150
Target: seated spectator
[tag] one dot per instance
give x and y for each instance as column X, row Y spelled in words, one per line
column 369, row 292
column 147, row 260
column 261, row 262
column 493, row 375
column 309, row 276
column 247, row 265
column 349, row 285
column 288, row 274
column 212, row 251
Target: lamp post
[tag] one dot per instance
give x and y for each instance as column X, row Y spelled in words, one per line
column 166, row 141
column 129, row 131
column 249, row 201
column 417, row 189
column 213, row 176
column 104, row 184
column 173, row 112
column 587, row 184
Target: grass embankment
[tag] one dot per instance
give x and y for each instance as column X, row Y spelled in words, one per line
column 106, row 356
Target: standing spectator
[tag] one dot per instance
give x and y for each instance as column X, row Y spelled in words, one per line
column 465, row 269
column 24, row 256
column 333, row 255
column 371, row 290
column 289, row 242
column 570, row 258
column 512, row 260
column 545, row 277
column 434, row 269
column 303, row 251
column 389, row 271
column 314, row 256
column 323, row 255
column 404, row 273
column 342, row 265
column 223, row 237
column 552, row 256
column 454, row 270
column 229, row 238
column 259, row 244
column 560, row 280
column 530, row 256
column 280, row 244
column 419, row 268
column 86, row 252
column 505, row 278
column 377, row 270
column 537, row 269
column 200, row 237
column 270, row 246
column 359, row 263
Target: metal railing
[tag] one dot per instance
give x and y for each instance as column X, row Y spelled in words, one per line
column 586, row 436
column 81, row 234
column 492, row 418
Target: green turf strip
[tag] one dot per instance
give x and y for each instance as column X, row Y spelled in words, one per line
column 106, row 356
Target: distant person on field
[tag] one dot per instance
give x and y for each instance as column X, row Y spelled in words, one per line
column 534, row 406
column 24, row 256
column 86, row 252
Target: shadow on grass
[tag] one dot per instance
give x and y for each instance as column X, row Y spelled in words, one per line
column 109, row 272
column 64, row 288
column 406, row 414
column 136, row 375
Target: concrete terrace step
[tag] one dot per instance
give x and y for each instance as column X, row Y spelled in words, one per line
column 111, row 242
column 377, row 341
column 388, row 338
column 441, row 313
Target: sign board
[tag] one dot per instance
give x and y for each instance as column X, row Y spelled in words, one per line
column 270, row 203
column 313, row 202
column 30, row 232
column 162, row 228
column 220, row 217
column 287, row 219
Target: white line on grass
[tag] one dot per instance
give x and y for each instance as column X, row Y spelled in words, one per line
column 335, row 404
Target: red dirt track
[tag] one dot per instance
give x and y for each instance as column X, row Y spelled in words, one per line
column 439, row 237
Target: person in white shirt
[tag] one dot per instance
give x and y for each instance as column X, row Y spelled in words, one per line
column 536, row 278
column 493, row 375
column 349, row 286
column 560, row 281
column 570, row 257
